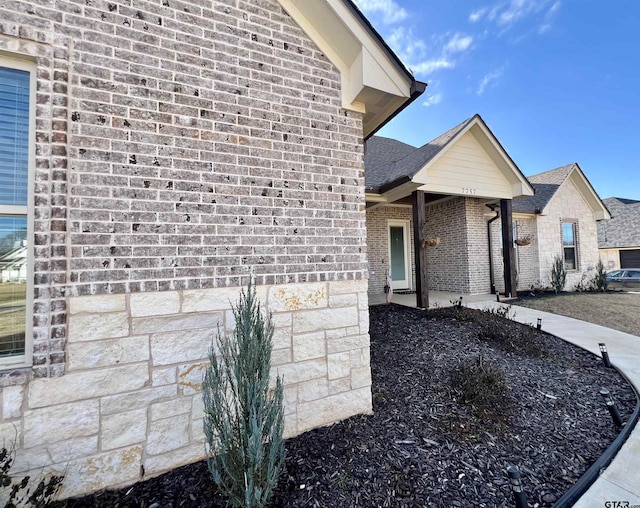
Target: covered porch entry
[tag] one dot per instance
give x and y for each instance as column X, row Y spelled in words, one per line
column 428, row 221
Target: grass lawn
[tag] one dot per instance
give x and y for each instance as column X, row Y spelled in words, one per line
column 620, row 311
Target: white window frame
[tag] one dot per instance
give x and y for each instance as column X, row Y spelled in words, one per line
column 574, row 245
column 11, row 61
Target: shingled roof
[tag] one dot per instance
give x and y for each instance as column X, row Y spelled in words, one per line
column 387, row 160
column 623, row 229
column 545, row 184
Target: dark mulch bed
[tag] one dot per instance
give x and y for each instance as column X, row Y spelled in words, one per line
column 423, row 446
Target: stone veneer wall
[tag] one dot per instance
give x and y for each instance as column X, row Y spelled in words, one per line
column 378, row 244
column 131, row 397
column 567, row 205
column 180, row 147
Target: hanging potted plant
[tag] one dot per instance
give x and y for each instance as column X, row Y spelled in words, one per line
column 431, row 242
column 523, row 240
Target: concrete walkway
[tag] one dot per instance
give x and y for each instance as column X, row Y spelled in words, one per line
column 621, row 479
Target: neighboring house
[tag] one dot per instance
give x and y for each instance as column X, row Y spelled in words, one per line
column 619, row 237
column 160, row 155
column 443, row 192
column 559, row 220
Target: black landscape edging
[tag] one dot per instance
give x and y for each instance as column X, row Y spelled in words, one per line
column 578, row 489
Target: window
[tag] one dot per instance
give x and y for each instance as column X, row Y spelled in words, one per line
column 569, row 245
column 16, row 140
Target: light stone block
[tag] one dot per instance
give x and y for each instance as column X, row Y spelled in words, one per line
column 85, row 327
column 57, row 423
column 280, row 356
column 302, row 371
column 323, row 319
column 197, row 433
column 364, row 322
column 87, row 384
column 157, row 464
column 313, row 390
column 347, row 343
column 205, row 300
column 154, row 304
column 60, row 452
column 158, row 324
column 12, row 400
column 339, row 385
column 197, row 407
column 360, row 377
column 138, row 399
column 348, row 286
column 100, row 471
column 10, row 434
column 293, row 297
column 282, row 338
column 308, row 346
column 190, row 378
column 282, row 320
column 98, row 304
column 123, row 429
column 290, row 399
column 339, row 365
column 346, row 300
column 106, row 353
column 360, row 358
column 182, row 346
column 290, row 426
column 164, row 376
column 179, row 406
column 363, row 301
column 168, row 434
column 333, row 408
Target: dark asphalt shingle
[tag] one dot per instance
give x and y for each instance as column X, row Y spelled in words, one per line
column 623, row 229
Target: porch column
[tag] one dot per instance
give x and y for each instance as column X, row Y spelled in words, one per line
column 508, row 250
column 420, row 252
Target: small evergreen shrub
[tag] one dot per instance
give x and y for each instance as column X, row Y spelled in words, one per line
column 558, row 274
column 599, row 281
column 243, row 418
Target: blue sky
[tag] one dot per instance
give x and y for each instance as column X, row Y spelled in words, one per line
column 557, row 81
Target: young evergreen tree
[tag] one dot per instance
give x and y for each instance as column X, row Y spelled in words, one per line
column 243, row 418
column 558, row 274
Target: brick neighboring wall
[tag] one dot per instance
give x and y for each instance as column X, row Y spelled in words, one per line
column 527, row 266
column 183, row 146
column 461, row 227
column 378, row 244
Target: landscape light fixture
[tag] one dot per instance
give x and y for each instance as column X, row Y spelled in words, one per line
column 611, row 406
column 605, row 354
column 516, row 486
column 497, row 297
column 539, row 326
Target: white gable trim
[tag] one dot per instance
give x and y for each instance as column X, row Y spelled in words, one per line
column 514, row 183
column 372, row 82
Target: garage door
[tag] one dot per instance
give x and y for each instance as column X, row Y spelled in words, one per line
column 630, row 258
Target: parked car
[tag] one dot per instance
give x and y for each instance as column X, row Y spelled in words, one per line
column 627, row 279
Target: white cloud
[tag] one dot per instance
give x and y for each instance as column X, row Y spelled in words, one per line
column 489, row 79
column 477, row 15
column 506, row 13
column 429, row 66
column 389, row 10
column 432, row 100
column 458, row 43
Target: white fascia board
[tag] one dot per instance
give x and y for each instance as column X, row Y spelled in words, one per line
column 369, row 76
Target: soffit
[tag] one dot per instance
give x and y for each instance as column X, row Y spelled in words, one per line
column 373, row 81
